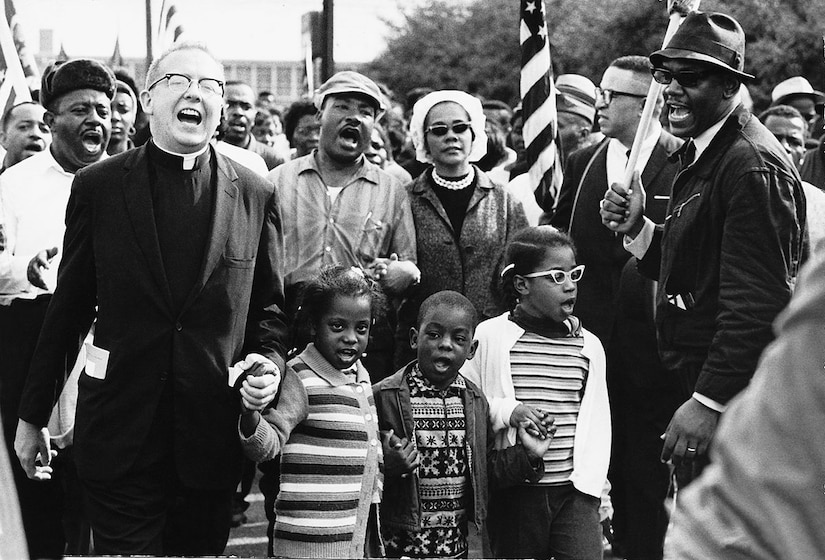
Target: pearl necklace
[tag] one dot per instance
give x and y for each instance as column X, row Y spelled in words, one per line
column 454, row 185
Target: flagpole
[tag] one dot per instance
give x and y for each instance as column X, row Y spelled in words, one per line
column 328, row 62
column 677, row 10
column 148, row 34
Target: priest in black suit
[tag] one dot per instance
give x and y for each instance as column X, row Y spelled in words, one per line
column 176, row 252
column 616, row 303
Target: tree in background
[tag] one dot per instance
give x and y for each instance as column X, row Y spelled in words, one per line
column 452, row 45
column 474, row 46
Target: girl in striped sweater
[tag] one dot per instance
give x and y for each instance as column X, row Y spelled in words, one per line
column 325, row 428
column 534, row 364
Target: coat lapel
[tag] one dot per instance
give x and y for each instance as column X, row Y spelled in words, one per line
column 226, row 196
column 483, row 187
column 657, row 162
column 137, row 194
column 427, row 193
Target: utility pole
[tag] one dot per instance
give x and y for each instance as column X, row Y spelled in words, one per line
column 328, row 62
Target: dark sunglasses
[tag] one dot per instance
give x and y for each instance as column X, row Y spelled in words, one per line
column 685, row 78
column 443, row 129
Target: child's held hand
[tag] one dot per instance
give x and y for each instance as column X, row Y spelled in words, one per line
column 539, row 420
column 535, row 445
column 400, row 455
column 261, row 383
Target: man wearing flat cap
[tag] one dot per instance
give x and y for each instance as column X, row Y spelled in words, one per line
column 576, row 107
column 727, row 256
column 76, row 95
column 175, row 252
column 338, row 208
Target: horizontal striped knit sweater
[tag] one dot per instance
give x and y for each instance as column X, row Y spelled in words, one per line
column 326, row 430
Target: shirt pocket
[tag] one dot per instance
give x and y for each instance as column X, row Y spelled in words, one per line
column 370, row 245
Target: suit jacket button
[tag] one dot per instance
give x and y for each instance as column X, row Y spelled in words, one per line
column 164, row 375
column 178, row 327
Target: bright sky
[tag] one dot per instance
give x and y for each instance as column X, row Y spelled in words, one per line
column 233, row 29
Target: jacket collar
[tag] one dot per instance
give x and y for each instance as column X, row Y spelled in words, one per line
column 422, row 187
column 422, row 182
column 707, row 161
column 397, row 382
column 367, row 170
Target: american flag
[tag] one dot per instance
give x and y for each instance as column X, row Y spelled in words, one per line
column 170, row 28
column 13, row 86
column 539, row 105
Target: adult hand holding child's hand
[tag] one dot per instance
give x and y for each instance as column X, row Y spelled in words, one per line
column 261, row 383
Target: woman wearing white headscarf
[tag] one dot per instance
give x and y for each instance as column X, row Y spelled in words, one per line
column 463, row 220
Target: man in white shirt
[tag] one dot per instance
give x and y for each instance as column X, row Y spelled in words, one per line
column 34, row 194
column 727, row 256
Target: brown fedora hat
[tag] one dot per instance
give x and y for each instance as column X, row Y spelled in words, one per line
column 712, row 38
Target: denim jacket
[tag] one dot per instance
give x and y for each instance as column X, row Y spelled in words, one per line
column 401, row 506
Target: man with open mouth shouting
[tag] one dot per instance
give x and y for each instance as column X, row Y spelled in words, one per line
column 727, row 255
column 23, row 133
column 34, row 193
column 176, row 252
column 338, row 208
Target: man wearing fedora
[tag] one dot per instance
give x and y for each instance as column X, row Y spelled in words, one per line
column 615, row 302
column 726, row 258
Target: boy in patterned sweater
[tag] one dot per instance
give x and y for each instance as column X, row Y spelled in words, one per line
column 437, row 441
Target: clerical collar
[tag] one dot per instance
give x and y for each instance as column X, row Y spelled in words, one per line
column 186, row 162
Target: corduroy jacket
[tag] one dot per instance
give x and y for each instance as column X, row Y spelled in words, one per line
column 727, row 256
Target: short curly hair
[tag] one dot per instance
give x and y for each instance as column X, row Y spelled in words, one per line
column 333, row 281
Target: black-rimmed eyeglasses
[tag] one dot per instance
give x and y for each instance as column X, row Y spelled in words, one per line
column 607, row 95
column 179, row 83
column 685, row 78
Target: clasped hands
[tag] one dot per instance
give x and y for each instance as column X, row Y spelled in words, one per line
column 394, row 275
column 260, row 384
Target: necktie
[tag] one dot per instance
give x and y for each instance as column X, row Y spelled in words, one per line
column 689, row 153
